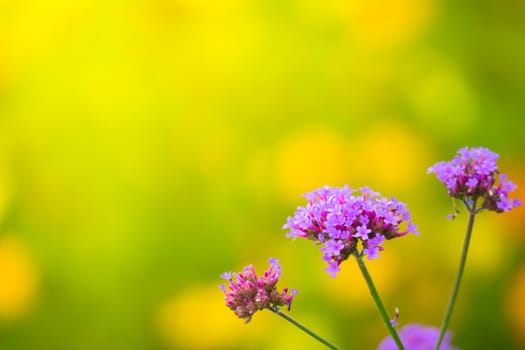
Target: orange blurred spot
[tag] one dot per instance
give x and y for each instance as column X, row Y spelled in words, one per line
column 18, row 279
column 515, row 305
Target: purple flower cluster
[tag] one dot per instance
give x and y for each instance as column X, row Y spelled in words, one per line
column 473, row 174
column 346, row 221
column 246, row 293
column 417, row 337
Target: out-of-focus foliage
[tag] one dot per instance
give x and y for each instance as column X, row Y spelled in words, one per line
column 148, row 146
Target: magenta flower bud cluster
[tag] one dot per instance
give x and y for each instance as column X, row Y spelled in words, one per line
column 247, row 293
column 473, row 174
column 346, row 221
column 418, row 337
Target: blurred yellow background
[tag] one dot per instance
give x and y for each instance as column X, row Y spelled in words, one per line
column 148, row 146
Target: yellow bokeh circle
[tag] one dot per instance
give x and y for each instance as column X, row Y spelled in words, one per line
column 389, row 23
column 18, row 279
column 197, row 318
column 390, row 155
column 309, row 159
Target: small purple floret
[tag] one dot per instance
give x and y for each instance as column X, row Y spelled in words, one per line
column 333, row 268
column 373, row 247
column 363, row 231
column 343, row 220
column 226, row 276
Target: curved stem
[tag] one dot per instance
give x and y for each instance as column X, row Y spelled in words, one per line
column 463, row 259
column 303, row 328
column 379, row 303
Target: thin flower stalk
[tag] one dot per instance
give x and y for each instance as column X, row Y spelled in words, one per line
column 377, row 299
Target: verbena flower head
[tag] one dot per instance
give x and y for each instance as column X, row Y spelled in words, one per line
column 418, row 337
column 247, row 293
column 345, row 221
column 473, row 174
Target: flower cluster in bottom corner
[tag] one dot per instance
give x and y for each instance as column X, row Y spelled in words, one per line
column 247, row 293
column 418, row 337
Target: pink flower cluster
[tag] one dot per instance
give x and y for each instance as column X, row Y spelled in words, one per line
column 247, row 293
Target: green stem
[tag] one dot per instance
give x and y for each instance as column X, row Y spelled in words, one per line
column 303, row 328
column 379, row 303
column 463, row 259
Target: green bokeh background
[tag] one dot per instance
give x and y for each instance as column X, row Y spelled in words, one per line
column 148, row 146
